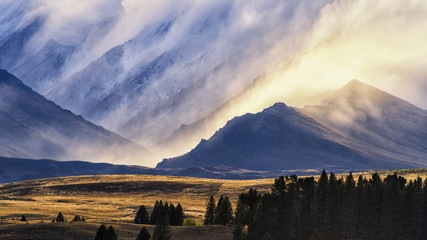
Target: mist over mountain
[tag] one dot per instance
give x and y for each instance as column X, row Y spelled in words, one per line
column 143, row 69
column 358, row 127
column 34, row 127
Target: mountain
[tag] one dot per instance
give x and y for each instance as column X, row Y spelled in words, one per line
column 18, row 169
column 33, row 127
column 125, row 66
column 378, row 123
column 358, row 127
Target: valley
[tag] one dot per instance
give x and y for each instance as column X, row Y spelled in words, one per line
column 114, row 199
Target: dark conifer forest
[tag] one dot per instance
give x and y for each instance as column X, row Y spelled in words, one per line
column 331, row 208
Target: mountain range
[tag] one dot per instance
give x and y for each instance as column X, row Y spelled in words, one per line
column 138, row 80
column 357, row 127
column 131, row 82
column 33, row 127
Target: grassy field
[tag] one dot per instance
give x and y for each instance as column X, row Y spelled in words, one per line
column 114, row 199
column 125, row 231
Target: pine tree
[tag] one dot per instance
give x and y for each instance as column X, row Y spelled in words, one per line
column 349, row 208
column 390, row 207
column 101, row 234
column 247, row 206
column 111, row 234
column 142, row 216
column 284, row 215
column 179, row 215
column 238, row 231
column 155, row 213
column 143, row 234
column 319, row 207
column 23, row 219
column 60, row 218
column 332, row 217
column 224, row 211
column 210, row 211
column 162, row 230
column 172, row 215
column 166, row 207
column 417, row 208
column 305, row 221
column 263, row 219
column 77, row 218
column 423, row 211
column 377, row 203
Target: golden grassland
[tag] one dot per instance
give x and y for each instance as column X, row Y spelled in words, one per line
column 114, row 199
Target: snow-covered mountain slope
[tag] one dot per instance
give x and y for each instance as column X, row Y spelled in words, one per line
column 360, row 127
column 145, row 68
column 33, row 127
column 127, row 75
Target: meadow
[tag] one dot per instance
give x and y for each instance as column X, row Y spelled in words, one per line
column 114, row 200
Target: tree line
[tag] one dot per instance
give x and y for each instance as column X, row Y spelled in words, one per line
column 175, row 214
column 220, row 213
column 331, row 208
column 162, row 215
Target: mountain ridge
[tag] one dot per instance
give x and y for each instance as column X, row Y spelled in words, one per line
column 320, row 136
column 34, row 127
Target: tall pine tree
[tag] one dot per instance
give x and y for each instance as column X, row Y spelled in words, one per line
column 155, row 213
column 143, row 234
column 162, row 230
column 210, row 211
column 179, row 215
column 223, row 211
column 319, row 208
column 142, row 216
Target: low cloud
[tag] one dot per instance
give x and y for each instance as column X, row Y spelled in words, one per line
column 296, row 50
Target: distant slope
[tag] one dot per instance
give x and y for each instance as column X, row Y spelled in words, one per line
column 376, row 120
column 33, row 127
column 18, row 169
column 285, row 138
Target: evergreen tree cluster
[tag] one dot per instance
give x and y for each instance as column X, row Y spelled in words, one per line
column 331, row 208
column 175, row 214
column 59, row 218
column 221, row 213
column 77, row 218
column 106, row 234
column 162, row 230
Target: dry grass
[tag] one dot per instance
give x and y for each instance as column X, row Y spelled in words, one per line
column 125, row 231
column 114, row 199
column 111, row 199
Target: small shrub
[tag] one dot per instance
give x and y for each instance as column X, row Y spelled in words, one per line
column 190, row 222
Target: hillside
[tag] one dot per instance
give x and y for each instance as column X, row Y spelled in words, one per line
column 115, row 197
column 33, row 127
column 83, row 231
column 372, row 131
